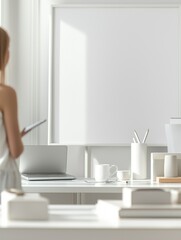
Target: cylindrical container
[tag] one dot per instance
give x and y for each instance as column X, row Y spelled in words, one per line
column 173, row 136
column 170, row 166
column 138, row 161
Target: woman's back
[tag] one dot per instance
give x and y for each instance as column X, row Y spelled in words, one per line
column 11, row 145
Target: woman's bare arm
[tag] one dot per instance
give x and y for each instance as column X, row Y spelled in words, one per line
column 8, row 105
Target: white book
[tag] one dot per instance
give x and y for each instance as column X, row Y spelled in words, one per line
column 108, row 209
column 114, row 209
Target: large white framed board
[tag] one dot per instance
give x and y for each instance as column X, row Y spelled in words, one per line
column 114, row 69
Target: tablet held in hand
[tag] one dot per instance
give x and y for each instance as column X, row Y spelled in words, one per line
column 32, row 126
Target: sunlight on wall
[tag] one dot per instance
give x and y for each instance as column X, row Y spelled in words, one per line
column 72, row 76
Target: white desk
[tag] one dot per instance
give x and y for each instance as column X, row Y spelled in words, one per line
column 81, row 222
column 80, row 186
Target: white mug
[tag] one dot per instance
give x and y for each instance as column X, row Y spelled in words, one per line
column 104, row 172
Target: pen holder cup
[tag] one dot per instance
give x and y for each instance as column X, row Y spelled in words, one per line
column 138, row 161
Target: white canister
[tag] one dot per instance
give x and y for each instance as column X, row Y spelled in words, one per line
column 138, row 161
column 170, row 166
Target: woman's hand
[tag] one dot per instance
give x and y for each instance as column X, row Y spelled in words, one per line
column 23, row 132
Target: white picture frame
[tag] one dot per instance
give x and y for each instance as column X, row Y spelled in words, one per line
column 158, row 113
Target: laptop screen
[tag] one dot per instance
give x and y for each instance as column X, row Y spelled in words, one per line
column 43, row 159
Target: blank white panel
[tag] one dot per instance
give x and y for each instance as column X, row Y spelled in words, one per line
column 114, row 70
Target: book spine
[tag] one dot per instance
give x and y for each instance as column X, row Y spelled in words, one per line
column 150, row 213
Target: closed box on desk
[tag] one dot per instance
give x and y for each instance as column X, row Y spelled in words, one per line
column 30, row 206
column 141, row 196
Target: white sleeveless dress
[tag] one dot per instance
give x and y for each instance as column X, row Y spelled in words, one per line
column 9, row 172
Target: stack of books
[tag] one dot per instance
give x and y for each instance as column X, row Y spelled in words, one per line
column 114, row 209
column 142, row 203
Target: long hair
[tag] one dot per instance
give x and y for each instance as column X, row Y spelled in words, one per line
column 4, row 45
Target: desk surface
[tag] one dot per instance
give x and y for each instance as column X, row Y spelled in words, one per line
column 81, row 186
column 81, row 222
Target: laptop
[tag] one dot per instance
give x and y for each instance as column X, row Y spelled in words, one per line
column 44, row 162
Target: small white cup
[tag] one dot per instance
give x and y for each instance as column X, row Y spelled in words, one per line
column 170, row 166
column 104, row 172
column 123, row 175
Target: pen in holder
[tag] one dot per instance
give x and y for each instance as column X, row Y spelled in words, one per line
column 138, row 161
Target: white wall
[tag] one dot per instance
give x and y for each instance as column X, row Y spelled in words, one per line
column 20, row 19
column 28, row 24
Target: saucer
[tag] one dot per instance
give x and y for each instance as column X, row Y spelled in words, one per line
column 100, row 182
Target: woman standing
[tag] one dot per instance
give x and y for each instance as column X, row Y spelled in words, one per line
column 11, row 145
